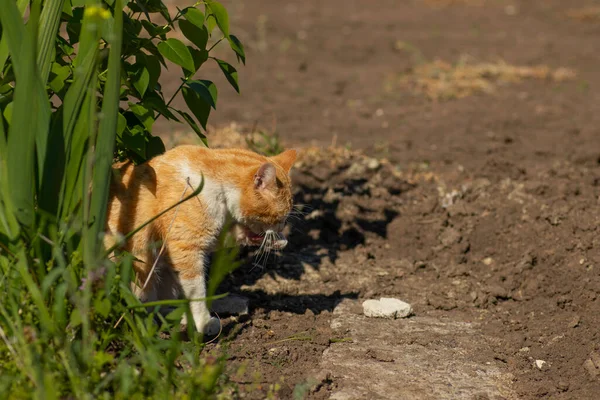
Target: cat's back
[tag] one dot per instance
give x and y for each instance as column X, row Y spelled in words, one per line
column 201, row 155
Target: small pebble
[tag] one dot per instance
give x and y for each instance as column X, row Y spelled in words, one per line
column 540, row 363
column 386, row 307
column 373, row 164
column 574, row 322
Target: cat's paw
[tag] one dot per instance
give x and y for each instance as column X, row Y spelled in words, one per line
column 209, row 327
column 212, row 327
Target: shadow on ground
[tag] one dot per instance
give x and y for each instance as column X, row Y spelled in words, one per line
column 337, row 213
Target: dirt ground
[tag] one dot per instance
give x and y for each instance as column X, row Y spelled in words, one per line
column 472, row 194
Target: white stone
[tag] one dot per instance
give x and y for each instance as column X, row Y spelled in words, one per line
column 386, row 307
column 540, row 363
column 373, row 164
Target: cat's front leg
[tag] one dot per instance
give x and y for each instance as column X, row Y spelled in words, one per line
column 190, row 266
column 195, row 288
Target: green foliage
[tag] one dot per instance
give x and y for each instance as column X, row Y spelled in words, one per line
column 70, row 326
column 265, row 143
column 145, row 53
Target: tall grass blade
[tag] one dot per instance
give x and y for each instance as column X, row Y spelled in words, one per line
column 8, row 223
column 85, row 66
column 30, row 99
column 106, row 138
column 49, row 23
column 22, row 6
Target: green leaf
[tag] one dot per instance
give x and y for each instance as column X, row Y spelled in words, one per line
column 8, row 111
column 155, row 102
column 197, row 105
column 58, row 76
column 221, row 16
column 199, row 56
column 198, row 36
column 175, row 51
column 121, row 123
column 133, row 139
column 74, row 24
column 193, row 125
column 155, row 147
column 68, row 8
column 156, row 30
column 102, row 306
column 75, row 319
column 194, row 15
column 132, row 28
column 64, row 46
column 152, row 49
column 211, row 23
column 175, row 315
column 142, row 79
column 238, row 47
column 145, row 115
column 152, row 65
column 230, row 73
column 207, row 91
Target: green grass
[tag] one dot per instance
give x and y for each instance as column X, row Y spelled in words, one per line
column 70, row 326
column 267, row 144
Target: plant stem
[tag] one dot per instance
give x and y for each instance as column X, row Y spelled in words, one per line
column 177, row 91
column 215, row 44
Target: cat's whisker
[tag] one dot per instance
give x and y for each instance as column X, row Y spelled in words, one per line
column 298, row 212
column 297, row 216
column 261, row 250
column 300, row 208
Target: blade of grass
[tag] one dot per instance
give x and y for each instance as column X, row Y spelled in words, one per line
column 30, row 99
column 8, row 223
column 22, row 6
column 85, row 63
column 49, row 23
column 106, row 138
column 36, row 295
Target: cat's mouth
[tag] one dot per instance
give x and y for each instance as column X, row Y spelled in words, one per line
column 268, row 239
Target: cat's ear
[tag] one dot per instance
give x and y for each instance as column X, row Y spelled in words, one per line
column 265, row 176
column 286, row 159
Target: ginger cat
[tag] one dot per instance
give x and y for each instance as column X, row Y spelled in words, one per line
column 253, row 190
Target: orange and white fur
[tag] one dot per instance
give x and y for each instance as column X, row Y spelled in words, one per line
column 252, row 190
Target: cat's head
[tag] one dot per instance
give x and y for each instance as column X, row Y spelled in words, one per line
column 266, row 202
